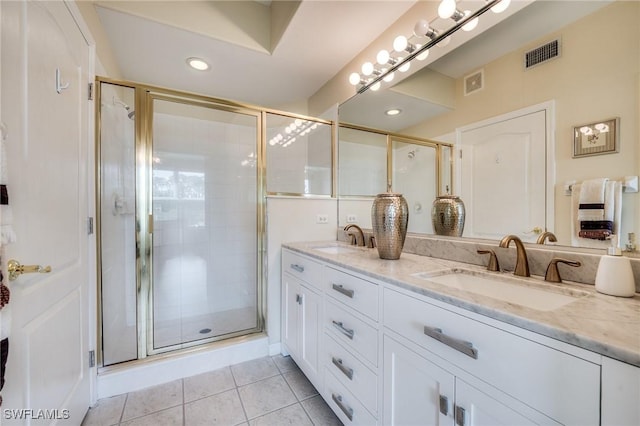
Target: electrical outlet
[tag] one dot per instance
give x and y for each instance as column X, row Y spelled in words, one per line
column 352, row 218
column 322, row 219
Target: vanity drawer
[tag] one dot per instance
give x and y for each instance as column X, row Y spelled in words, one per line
column 355, row 292
column 351, row 331
column 346, row 406
column 352, row 373
column 302, row 267
column 563, row 386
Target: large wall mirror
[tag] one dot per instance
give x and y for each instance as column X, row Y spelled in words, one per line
column 484, row 84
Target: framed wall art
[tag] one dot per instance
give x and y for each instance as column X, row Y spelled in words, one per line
column 596, row 138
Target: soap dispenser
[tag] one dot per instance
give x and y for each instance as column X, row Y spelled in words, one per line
column 614, row 275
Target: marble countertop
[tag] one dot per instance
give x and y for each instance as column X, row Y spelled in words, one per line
column 603, row 324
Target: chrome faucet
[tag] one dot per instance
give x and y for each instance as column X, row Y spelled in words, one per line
column 354, row 238
column 522, row 264
column 544, row 236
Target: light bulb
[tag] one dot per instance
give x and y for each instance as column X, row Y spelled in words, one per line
column 501, row 7
column 400, row 43
column 375, row 86
column 354, row 78
column 367, row 68
column 297, row 122
column 422, row 56
column 421, row 28
column 444, row 42
column 405, row 67
column 469, row 26
column 272, row 142
column 382, row 57
column 389, row 77
column 447, row 9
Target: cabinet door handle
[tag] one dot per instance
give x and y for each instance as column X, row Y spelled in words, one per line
column 345, row 370
column 459, row 415
column 297, row 267
column 348, row 411
column 444, row 405
column 347, row 332
column 457, row 344
column 340, row 289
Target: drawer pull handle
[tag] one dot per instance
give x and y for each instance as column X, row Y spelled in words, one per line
column 340, row 289
column 457, row 344
column 346, row 410
column 444, row 405
column 345, row 370
column 343, row 330
column 460, row 415
column 297, row 267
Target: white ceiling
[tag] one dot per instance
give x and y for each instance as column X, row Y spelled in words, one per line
column 321, row 37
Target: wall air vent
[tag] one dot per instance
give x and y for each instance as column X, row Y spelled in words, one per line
column 542, row 54
column 474, row 82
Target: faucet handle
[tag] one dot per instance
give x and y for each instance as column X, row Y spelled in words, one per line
column 372, row 242
column 493, row 264
column 553, row 274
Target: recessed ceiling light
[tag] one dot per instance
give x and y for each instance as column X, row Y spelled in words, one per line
column 198, row 64
column 393, row 111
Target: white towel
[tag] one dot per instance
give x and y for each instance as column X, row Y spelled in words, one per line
column 592, row 192
column 615, row 188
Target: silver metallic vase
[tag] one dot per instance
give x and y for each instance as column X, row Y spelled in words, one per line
column 389, row 218
column 447, row 215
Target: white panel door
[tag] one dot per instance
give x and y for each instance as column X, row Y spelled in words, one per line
column 503, row 176
column 47, row 380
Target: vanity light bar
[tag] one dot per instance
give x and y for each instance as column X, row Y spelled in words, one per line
column 376, row 76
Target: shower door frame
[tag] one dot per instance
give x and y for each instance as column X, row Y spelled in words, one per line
column 144, row 97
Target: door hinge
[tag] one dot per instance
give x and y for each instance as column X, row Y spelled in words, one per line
column 90, row 93
column 460, row 154
column 89, row 226
column 92, row 359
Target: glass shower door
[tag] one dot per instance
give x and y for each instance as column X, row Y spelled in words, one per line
column 205, row 237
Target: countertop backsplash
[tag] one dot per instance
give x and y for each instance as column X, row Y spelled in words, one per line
column 465, row 250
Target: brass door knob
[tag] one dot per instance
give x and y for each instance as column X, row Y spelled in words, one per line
column 16, row 269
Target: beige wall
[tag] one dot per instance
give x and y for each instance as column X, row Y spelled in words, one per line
column 595, row 78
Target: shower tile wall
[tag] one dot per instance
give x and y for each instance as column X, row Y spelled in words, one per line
column 204, row 246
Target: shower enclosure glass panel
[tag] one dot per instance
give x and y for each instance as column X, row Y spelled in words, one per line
column 117, row 224
column 204, row 176
column 415, row 175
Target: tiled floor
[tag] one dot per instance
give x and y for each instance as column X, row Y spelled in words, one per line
column 267, row 391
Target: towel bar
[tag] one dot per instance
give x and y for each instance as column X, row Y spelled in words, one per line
column 629, row 184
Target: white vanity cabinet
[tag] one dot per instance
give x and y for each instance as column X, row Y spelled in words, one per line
column 381, row 353
column 512, row 373
column 620, row 393
column 350, row 346
column 418, row 392
column 301, row 310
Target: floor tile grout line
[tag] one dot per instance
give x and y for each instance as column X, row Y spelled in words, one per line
column 244, row 410
column 126, row 399
column 184, row 411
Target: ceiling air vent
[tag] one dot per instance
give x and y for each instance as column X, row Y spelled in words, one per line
column 473, row 82
column 542, row 54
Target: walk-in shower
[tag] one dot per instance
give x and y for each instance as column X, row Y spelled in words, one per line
column 181, row 221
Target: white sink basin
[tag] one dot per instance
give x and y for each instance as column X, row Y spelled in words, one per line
column 335, row 249
column 512, row 291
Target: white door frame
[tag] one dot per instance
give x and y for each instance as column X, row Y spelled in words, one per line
column 549, row 108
